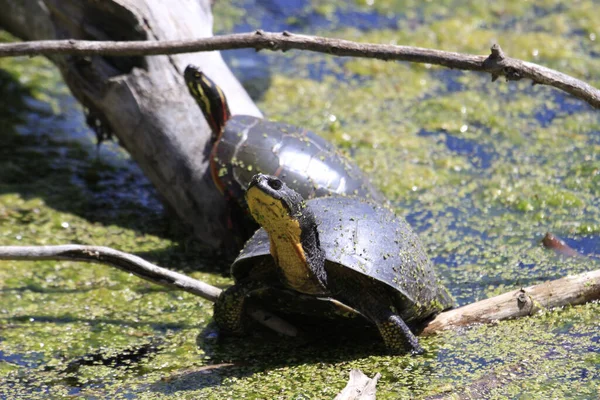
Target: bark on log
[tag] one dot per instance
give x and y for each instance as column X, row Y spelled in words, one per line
column 143, row 100
column 570, row 290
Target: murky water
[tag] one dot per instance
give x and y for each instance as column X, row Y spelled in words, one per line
column 481, row 170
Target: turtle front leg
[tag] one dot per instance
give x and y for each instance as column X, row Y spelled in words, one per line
column 395, row 333
column 376, row 304
column 229, row 309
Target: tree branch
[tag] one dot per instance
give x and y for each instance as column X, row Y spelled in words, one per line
column 571, row 290
column 496, row 64
column 138, row 266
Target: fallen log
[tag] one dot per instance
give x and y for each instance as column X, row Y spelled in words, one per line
column 143, row 100
column 570, row 290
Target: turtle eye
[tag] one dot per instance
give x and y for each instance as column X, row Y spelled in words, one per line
column 197, row 75
column 275, row 183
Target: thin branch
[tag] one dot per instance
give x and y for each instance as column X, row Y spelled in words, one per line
column 496, row 64
column 124, row 261
column 559, row 246
column 139, row 267
column 571, row 290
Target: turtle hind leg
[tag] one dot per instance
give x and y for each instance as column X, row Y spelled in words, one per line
column 229, row 309
column 229, row 312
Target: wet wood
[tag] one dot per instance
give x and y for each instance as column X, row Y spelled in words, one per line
column 570, row 290
column 143, row 100
column 559, row 246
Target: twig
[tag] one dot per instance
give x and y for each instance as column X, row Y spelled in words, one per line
column 559, row 246
column 497, row 64
column 123, row 261
column 577, row 289
column 139, row 267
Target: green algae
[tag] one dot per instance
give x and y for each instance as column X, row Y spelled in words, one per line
column 526, row 162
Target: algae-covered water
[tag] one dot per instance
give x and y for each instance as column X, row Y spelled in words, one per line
column 482, row 171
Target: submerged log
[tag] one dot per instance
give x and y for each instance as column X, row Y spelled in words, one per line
column 143, row 100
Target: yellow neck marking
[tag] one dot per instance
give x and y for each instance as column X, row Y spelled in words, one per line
column 284, row 235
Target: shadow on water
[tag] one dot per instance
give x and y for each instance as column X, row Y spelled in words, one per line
column 242, row 357
column 479, row 155
column 227, row 357
column 53, row 155
column 158, row 326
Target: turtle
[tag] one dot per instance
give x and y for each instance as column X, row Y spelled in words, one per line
column 243, row 145
column 342, row 249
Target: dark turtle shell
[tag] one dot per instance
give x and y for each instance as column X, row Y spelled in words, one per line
column 371, row 240
column 306, row 162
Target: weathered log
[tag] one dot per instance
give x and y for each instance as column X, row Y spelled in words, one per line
column 570, row 290
column 143, row 100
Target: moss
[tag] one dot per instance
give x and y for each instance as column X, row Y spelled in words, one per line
column 481, row 170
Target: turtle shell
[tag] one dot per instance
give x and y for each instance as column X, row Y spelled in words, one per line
column 306, row 162
column 371, row 240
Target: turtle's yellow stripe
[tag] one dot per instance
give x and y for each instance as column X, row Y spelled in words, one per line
column 222, row 99
column 284, row 236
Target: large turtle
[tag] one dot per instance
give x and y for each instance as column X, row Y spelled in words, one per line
column 345, row 249
column 243, row 146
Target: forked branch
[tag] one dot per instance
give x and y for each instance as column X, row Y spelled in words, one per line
column 497, row 63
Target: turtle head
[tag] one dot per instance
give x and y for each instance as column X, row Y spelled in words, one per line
column 210, row 99
column 273, row 204
column 292, row 229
